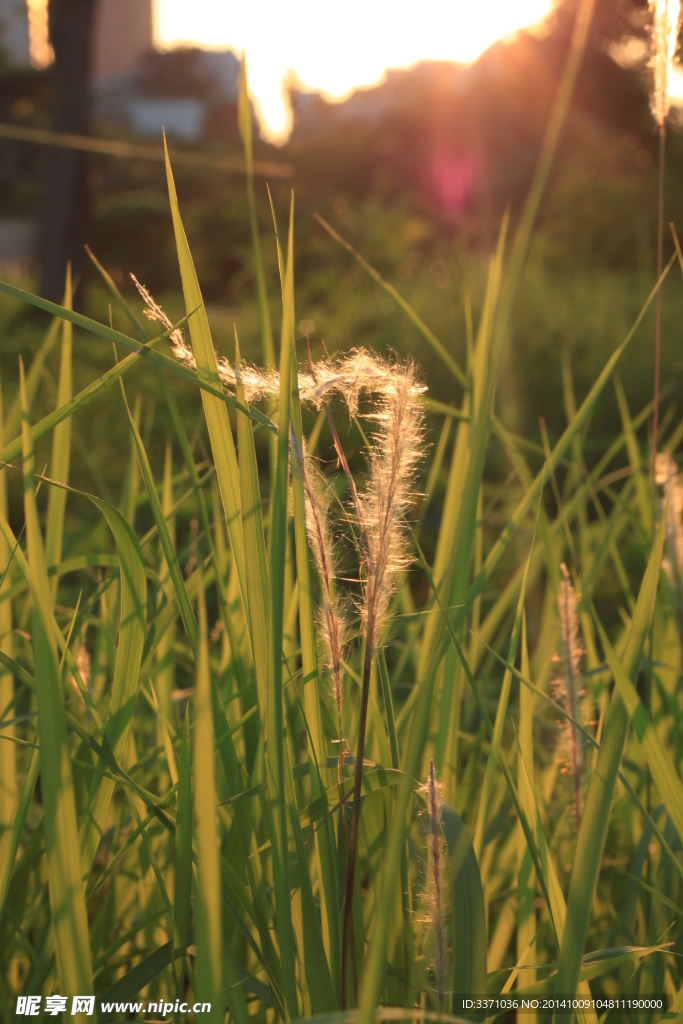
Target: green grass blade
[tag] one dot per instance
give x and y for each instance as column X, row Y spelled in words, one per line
column 596, row 815
column 498, row 725
column 515, row 521
column 8, row 761
column 469, row 923
column 217, row 421
column 183, row 853
column 275, row 756
column 245, row 127
column 126, row 674
column 209, row 933
column 79, row 401
column 658, row 759
column 325, row 843
column 255, row 560
column 67, row 895
column 526, row 911
column 174, row 569
column 412, row 315
column 9, row 844
column 165, row 678
column 61, row 449
column 33, row 380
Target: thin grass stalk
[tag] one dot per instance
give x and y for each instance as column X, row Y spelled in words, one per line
column 347, row 924
column 571, row 680
column 664, row 39
column 267, row 347
column 658, row 307
column 439, row 958
column 61, row 448
column 8, row 760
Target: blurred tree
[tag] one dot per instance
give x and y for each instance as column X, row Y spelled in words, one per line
column 65, row 202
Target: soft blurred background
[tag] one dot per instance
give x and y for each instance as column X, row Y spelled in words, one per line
column 410, row 136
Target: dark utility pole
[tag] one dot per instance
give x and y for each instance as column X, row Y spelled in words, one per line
column 65, row 201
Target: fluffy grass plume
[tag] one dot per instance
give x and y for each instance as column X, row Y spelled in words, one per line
column 569, row 681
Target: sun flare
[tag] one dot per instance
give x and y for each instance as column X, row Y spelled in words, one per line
column 338, row 47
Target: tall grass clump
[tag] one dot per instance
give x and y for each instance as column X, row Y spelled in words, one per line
column 289, row 748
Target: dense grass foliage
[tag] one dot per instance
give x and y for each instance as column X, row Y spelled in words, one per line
column 319, row 715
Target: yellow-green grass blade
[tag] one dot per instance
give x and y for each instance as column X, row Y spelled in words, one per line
column 406, row 887
column 151, row 859
column 376, row 962
column 217, row 421
column 209, row 966
column 165, row 677
column 109, row 334
column 317, row 971
column 183, row 853
column 311, row 681
column 8, row 764
column 526, row 910
column 174, row 569
column 589, row 739
column 658, row 758
column 120, row 301
column 79, row 401
column 160, row 359
column 133, row 617
column 532, row 205
column 412, row 315
column 226, row 748
column 33, row 379
column 129, row 497
column 499, row 723
column 197, row 486
column 79, row 729
column 9, row 844
column 460, row 462
column 558, row 452
column 255, row 560
column 265, row 325
column 275, row 755
column 551, row 885
column 131, row 635
column 524, row 507
column 468, row 923
column 634, row 457
column 61, row 449
column 522, row 817
column 245, row 128
column 596, row 815
column 231, row 769
column 67, row 895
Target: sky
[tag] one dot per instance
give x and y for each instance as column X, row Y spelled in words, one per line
column 335, row 46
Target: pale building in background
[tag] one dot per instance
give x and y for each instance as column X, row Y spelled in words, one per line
column 123, row 34
column 14, row 32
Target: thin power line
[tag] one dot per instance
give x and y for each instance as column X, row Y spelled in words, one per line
column 133, row 151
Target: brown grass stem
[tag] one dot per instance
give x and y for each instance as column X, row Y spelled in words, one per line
column 355, row 818
column 658, row 307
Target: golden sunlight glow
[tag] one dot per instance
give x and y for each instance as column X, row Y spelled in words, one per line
column 40, row 49
column 336, row 47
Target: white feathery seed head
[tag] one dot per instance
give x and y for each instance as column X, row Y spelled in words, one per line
column 667, row 476
column 332, row 625
column 436, row 886
column 666, row 18
column 396, row 450
column 569, row 684
column 83, row 665
column 154, row 312
column 393, row 389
